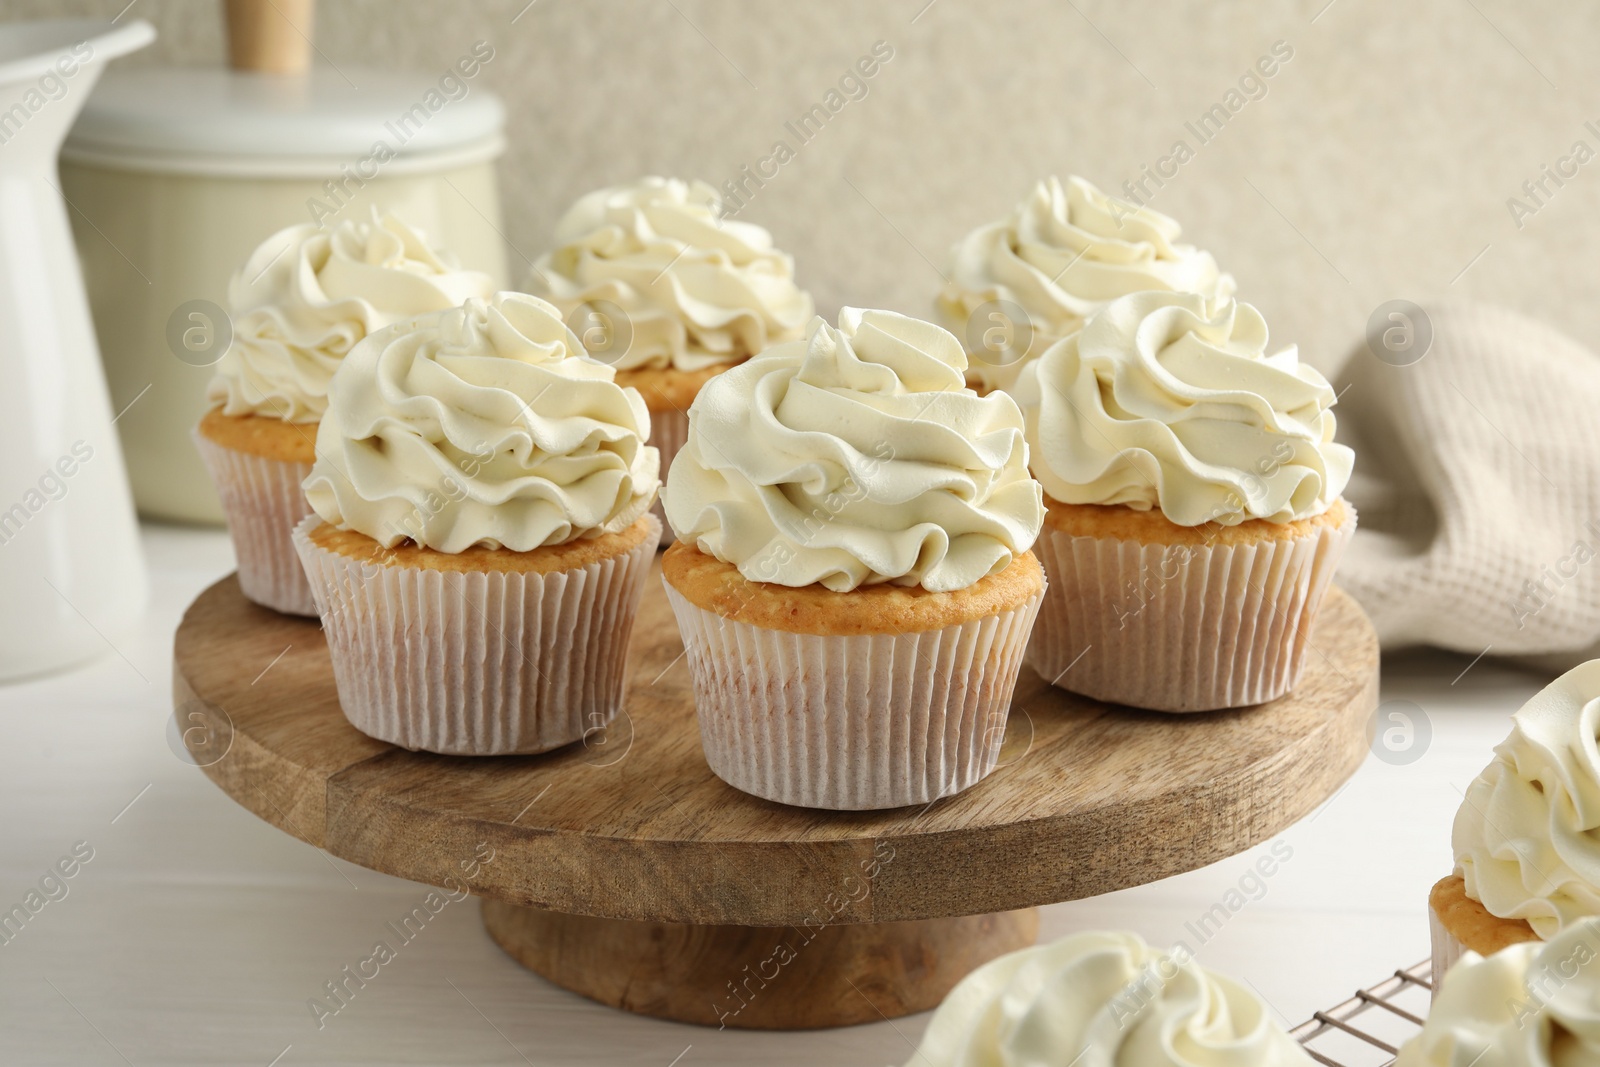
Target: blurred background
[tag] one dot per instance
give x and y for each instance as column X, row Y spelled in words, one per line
column 1375, row 164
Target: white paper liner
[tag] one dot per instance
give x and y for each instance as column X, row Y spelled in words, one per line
column 263, row 501
column 669, row 432
column 1180, row 627
column 480, row 664
column 1447, row 950
column 853, row 722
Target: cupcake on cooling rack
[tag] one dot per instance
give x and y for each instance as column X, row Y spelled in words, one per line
column 1193, row 517
column 656, row 284
column 1533, row 1004
column 1019, row 285
column 481, row 531
column 1103, row 998
column 852, row 575
column 1527, row 836
column 301, row 302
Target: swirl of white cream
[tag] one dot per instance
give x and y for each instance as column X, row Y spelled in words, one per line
column 307, row 295
column 696, row 290
column 1170, row 401
column 1106, row 999
column 1534, row 1004
column 482, row 425
column 854, row 457
column 1527, row 836
column 1062, row 254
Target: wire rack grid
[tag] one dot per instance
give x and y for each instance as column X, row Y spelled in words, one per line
column 1369, row 1028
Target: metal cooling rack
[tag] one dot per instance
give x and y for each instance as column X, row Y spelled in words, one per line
column 1369, row 1028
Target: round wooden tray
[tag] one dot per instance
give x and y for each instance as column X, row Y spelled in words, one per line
column 624, row 869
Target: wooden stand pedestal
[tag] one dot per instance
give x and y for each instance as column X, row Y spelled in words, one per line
column 758, row 977
column 624, row 870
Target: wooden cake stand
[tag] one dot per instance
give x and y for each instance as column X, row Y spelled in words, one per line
column 622, row 869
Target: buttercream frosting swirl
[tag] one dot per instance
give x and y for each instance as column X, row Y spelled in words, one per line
column 482, row 425
column 307, row 295
column 1534, row 1004
column 1171, row 401
column 694, row 290
column 853, row 457
column 1527, row 835
column 1064, row 252
column 1107, row 1000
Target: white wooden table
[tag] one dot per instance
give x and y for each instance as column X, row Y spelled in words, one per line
column 197, row 933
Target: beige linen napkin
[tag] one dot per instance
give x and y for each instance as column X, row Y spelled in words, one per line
column 1478, row 486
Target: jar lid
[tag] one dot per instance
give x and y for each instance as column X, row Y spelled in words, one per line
column 212, row 120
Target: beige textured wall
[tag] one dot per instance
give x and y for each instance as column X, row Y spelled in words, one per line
column 1377, row 165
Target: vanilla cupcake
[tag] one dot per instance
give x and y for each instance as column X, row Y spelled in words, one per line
column 481, row 531
column 1193, row 517
column 668, row 293
column 1103, row 998
column 301, row 302
column 852, row 575
column 1527, row 836
column 1528, row 1005
column 1019, row 285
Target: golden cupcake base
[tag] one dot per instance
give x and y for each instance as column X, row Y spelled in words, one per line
column 1458, row 924
column 258, row 435
column 1144, row 612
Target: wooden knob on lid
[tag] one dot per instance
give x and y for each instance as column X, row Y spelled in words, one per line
column 270, row 36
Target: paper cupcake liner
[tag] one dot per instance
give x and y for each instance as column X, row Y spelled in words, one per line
column 477, row 664
column 1447, row 949
column 852, row 722
column 1181, row 627
column 263, row 501
column 669, row 432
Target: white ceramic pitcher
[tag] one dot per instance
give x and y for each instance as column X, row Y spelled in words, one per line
column 72, row 576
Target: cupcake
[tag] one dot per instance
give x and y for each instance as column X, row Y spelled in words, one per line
column 301, row 302
column 481, row 531
column 660, row 287
column 1193, row 515
column 1527, row 836
column 1527, row 1005
column 1019, row 285
column 852, row 575
column 1103, row 998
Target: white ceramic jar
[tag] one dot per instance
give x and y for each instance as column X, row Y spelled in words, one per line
column 175, row 175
